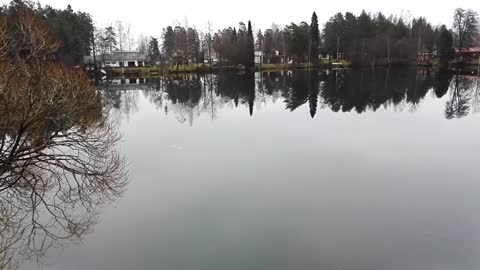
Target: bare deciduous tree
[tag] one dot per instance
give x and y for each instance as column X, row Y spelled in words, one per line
column 129, row 40
column 25, row 37
column 465, row 23
column 58, row 157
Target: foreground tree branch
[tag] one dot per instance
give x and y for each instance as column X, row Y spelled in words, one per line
column 58, row 159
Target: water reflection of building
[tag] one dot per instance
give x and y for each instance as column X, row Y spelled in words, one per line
column 125, row 84
column 127, row 81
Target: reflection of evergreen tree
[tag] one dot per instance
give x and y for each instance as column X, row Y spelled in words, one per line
column 155, row 91
column 363, row 90
column 237, row 87
column 186, row 90
column 346, row 90
column 297, row 94
column 250, row 91
column 442, row 82
column 342, row 90
column 420, row 83
column 314, row 91
column 274, row 82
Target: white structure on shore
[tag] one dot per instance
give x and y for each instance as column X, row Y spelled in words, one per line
column 119, row 59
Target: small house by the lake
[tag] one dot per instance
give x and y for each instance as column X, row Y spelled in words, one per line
column 425, row 57
column 119, row 59
column 470, row 53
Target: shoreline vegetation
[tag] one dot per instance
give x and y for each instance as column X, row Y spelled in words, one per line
column 156, row 71
column 152, row 71
column 345, row 40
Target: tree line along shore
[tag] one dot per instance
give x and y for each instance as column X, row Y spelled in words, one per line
column 344, row 40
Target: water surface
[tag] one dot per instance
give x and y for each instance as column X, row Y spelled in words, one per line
column 297, row 170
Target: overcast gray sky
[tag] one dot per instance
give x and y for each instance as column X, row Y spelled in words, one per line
column 150, row 16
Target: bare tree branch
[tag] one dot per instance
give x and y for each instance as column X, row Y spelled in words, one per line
column 58, row 157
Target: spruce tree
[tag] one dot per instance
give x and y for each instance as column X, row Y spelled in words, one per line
column 445, row 45
column 153, row 51
column 250, row 61
column 314, row 39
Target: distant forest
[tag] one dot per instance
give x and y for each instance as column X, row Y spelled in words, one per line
column 366, row 38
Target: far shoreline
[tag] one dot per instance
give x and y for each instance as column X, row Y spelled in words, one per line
column 158, row 71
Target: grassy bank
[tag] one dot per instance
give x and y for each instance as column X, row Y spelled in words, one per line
column 163, row 71
column 154, row 71
column 206, row 68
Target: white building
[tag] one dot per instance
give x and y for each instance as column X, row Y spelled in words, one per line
column 119, row 59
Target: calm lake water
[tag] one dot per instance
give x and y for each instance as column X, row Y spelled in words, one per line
column 339, row 170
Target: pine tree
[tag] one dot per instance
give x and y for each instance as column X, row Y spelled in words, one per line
column 445, row 45
column 153, row 51
column 314, row 39
column 250, row 61
column 168, row 42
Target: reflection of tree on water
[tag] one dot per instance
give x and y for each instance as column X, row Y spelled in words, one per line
column 123, row 103
column 188, row 97
column 184, row 93
column 296, row 93
column 300, row 88
column 270, row 86
column 461, row 93
column 314, row 91
column 441, row 83
column 476, row 95
column 209, row 98
column 58, row 164
column 237, row 87
column 370, row 90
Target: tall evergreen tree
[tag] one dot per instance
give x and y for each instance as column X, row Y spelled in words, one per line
column 445, row 45
column 334, row 34
column 168, row 42
column 235, row 50
column 193, row 44
column 153, row 51
column 314, row 39
column 109, row 40
column 250, row 61
column 298, row 39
